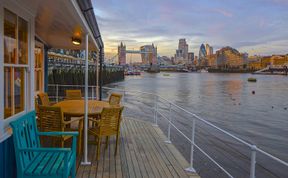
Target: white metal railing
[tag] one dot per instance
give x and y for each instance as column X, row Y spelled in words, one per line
column 159, row 99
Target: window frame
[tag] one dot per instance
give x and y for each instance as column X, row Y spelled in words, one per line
column 40, row 45
column 20, row 11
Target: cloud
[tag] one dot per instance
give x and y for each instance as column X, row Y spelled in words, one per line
column 217, row 22
column 224, row 12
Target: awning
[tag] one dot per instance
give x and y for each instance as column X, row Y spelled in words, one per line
column 57, row 21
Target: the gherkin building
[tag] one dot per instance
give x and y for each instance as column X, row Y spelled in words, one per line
column 202, row 55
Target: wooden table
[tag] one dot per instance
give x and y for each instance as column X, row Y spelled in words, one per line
column 75, row 108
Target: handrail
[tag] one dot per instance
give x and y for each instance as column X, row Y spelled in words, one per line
column 157, row 97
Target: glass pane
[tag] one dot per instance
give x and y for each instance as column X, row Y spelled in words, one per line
column 19, row 91
column 10, row 45
column 7, row 92
column 23, row 41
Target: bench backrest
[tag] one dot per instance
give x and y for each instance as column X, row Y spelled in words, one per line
column 25, row 136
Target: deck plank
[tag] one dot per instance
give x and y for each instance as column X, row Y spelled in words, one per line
column 162, row 160
column 133, row 164
column 132, row 133
column 141, row 153
column 156, row 163
column 144, row 153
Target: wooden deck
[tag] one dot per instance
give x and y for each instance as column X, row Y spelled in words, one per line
column 142, row 153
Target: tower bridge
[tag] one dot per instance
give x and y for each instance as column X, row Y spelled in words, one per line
column 148, row 54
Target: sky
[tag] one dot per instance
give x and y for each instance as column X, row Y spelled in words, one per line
column 259, row 27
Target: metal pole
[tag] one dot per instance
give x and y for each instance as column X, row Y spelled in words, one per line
column 253, row 161
column 169, row 125
column 100, row 74
column 57, row 94
column 155, row 112
column 92, row 90
column 191, row 169
column 85, row 161
column 97, row 78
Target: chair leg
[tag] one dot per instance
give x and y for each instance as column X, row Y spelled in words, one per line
column 73, row 170
column 80, row 143
column 116, row 146
column 80, row 140
column 98, row 148
column 107, row 142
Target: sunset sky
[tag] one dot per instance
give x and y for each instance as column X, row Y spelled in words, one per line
column 253, row 26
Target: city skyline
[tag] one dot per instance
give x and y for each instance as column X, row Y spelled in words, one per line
column 253, row 26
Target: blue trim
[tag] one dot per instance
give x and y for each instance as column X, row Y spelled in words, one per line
column 7, row 159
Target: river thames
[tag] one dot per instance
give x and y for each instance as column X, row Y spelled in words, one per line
column 227, row 101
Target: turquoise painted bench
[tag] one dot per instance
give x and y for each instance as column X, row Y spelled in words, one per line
column 35, row 161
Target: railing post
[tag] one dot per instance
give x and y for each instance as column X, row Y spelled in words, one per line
column 57, row 94
column 253, row 161
column 92, row 92
column 124, row 96
column 169, row 125
column 191, row 168
column 155, row 112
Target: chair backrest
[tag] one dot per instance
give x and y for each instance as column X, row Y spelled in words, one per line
column 25, row 136
column 110, row 120
column 50, row 119
column 73, row 95
column 44, row 99
column 115, row 98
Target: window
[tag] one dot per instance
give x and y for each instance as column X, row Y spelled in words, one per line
column 38, row 69
column 15, row 63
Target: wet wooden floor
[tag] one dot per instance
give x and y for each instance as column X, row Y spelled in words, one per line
column 141, row 153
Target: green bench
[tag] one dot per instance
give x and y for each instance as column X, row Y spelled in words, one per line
column 38, row 162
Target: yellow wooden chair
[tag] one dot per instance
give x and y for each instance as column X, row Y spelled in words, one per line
column 108, row 125
column 73, row 95
column 51, row 119
column 115, row 99
column 44, row 99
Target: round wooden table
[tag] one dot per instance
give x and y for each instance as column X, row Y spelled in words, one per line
column 75, row 108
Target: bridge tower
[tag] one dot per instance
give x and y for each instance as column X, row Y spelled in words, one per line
column 149, row 54
column 122, row 54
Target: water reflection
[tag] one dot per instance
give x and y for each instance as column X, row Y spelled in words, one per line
column 227, row 101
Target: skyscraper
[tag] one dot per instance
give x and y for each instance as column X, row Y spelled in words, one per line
column 209, row 50
column 190, row 58
column 184, row 47
column 202, row 55
column 181, row 55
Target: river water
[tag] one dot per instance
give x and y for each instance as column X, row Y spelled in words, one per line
column 227, row 101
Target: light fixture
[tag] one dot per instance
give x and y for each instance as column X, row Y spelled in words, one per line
column 76, row 41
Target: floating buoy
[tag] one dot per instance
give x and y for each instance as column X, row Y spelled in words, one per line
column 253, row 92
column 252, row 79
column 272, row 107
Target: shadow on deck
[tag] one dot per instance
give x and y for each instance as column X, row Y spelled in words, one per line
column 142, row 153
